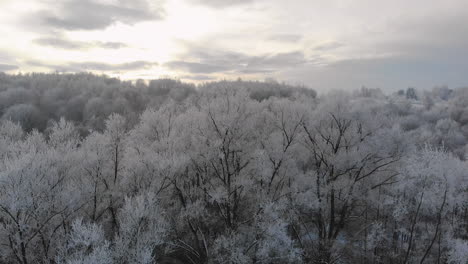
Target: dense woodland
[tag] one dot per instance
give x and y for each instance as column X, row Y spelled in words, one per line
column 98, row 170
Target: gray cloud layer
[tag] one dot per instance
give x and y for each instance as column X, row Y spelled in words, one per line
column 221, row 3
column 195, row 67
column 111, row 67
column 419, row 52
column 328, row 46
column 93, row 14
column 206, row 61
column 95, row 66
column 7, row 67
column 285, row 37
column 198, row 77
column 390, row 73
column 61, row 43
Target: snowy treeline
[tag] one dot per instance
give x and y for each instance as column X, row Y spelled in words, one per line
column 36, row 99
column 230, row 172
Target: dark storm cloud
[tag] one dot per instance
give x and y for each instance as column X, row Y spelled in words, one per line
column 7, row 67
column 62, row 43
column 216, row 61
column 93, row 14
column 95, row 66
column 221, row 3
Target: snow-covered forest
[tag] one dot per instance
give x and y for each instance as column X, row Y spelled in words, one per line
column 98, row 170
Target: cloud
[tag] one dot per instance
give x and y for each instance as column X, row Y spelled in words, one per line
column 255, row 71
column 110, row 45
column 95, row 66
column 389, row 73
column 62, row 43
column 277, row 61
column 418, row 51
column 95, row 14
column 196, row 67
column 135, row 65
column 328, row 46
column 199, row 60
column 198, row 77
column 5, row 57
column 7, row 67
column 285, row 37
column 222, row 3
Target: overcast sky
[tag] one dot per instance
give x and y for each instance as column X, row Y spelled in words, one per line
column 324, row 44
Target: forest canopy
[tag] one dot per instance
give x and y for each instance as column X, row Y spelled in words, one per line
column 98, row 170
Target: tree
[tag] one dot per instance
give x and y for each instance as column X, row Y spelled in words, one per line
column 36, row 200
column 143, row 228
column 411, row 93
column 27, row 115
column 346, row 162
column 434, row 182
column 86, row 244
